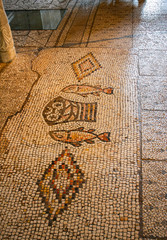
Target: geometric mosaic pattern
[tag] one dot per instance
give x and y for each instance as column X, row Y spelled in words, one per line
column 60, row 184
column 85, row 66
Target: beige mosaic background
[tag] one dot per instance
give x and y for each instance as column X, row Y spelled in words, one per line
column 132, row 35
column 110, row 195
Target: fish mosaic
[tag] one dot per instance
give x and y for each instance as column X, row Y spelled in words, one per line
column 61, row 110
column 77, row 136
column 60, row 184
column 84, row 90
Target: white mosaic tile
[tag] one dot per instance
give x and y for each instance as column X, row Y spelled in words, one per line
column 154, row 199
column 83, row 185
column 154, row 132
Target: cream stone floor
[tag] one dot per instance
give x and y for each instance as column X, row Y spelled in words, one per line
column 108, row 178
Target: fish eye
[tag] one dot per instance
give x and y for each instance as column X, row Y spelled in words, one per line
column 59, row 136
column 71, row 88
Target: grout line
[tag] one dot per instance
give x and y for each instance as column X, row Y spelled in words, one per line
column 37, row 41
column 48, row 38
column 140, row 171
column 156, row 238
column 154, row 160
column 96, row 10
column 95, row 41
column 154, row 110
column 73, row 20
column 62, row 36
column 86, row 25
column 26, row 99
column 58, row 32
column 89, row 24
column 132, row 25
column 157, row 75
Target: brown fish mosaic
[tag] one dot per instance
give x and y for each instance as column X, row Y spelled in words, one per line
column 77, row 136
column 84, row 90
column 60, row 184
column 61, row 110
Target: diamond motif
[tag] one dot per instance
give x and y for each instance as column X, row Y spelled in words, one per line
column 60, row 184
column 85, row 66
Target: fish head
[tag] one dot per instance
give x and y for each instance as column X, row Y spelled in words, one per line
column 59, row 135
column 70, row 89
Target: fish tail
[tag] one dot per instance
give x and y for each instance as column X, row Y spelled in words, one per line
column 108, row 90
column 105, row 137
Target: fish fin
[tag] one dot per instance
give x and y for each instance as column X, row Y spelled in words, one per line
column 108, row 90
column 80, row 94
column 75, row 144
column 89, row 141
column 83, row 95
column 105, row 137
column 62, row 90
column 96, row 94
column 91, row 130
column 51, row 133
column 80, row 129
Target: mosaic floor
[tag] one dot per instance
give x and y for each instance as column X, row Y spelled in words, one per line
column 67, row 162
column 83, row 125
